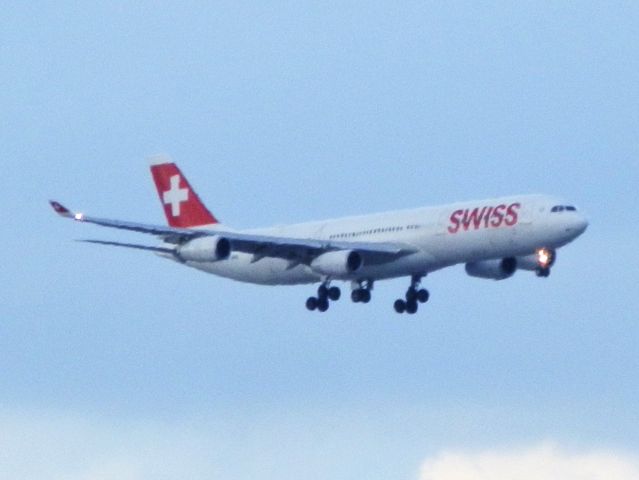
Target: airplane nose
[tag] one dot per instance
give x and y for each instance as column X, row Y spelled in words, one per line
column 575, row 226
column 580, row 225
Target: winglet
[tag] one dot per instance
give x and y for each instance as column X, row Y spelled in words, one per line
column 61, row 209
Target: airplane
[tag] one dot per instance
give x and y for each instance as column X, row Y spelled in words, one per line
column 493, row 238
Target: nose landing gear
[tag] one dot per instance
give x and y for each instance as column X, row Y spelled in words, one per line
column 543, row 272
column 546, row 258
column 414, row 296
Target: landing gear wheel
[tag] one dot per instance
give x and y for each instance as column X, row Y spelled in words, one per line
column 361, row 295
column 311, row 303
column 365, row 296
column 543, row 272
column 411, row 295
column 334, row 293
column 322, row 304
column 322, row 291
column 414, row 296
column 423, row 295
column 356, row 295
column 399, row 305
column 411, row 307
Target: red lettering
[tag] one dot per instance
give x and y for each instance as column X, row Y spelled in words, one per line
column 473, row 218
column 487, row 216
column 484, row 217
column 465, row 222
column 498, row 216
column 454, row 221
column 512, row 215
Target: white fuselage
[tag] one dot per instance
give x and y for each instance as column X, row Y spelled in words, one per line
column 440, row 236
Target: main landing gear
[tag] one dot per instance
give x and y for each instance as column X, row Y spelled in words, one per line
column 361, row 291
column 414, row 296
column 325, row 293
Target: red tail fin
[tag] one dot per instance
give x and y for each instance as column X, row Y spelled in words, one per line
column 182, row 207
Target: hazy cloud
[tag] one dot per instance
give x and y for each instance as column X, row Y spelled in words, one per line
column 61, row 447
column 65, row 447
column 542, row 462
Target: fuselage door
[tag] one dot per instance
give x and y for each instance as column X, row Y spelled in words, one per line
column 526, row 213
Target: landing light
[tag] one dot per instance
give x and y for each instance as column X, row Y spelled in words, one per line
column 544, row 257
column 79, row 216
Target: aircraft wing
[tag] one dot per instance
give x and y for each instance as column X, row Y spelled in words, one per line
column 178, row 235
column 301, row 250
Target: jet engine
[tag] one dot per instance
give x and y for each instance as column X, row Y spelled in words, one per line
column 498, row 269
column 338, row 263
column 205, row 249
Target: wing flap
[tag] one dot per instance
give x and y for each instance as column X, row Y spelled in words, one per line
column 131, row 245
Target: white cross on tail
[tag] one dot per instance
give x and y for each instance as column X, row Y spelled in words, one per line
column 175, row 195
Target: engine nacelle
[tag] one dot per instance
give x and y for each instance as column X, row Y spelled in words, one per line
column 205, row 249
column 338, row 263
column 499, row 269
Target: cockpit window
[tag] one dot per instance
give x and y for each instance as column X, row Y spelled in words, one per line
column 561, row 208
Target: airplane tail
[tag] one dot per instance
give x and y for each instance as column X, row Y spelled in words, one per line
column 182, row 207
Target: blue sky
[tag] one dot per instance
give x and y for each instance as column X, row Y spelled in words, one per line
column 119, row 364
